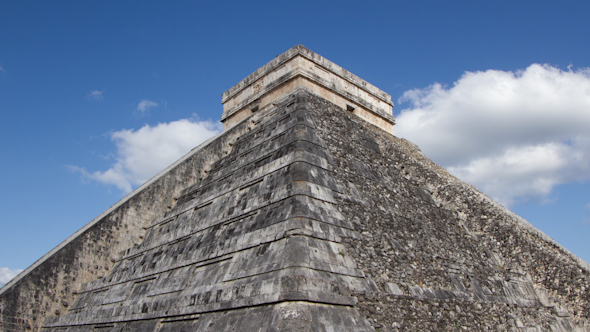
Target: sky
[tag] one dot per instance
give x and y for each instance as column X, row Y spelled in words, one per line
column 97, row 97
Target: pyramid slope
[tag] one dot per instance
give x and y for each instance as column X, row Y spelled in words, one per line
column 260, row 230
column 444, row 255
column 48, row 287
column 318, row 221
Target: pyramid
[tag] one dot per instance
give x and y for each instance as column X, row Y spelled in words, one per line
column 305, row 214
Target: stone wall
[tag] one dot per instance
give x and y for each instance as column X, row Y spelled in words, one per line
column 48, row 287
column 444, row 255
column 257, row 243
column 300, row 67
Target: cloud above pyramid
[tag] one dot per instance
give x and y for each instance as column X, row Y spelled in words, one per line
column 7, row 274
column 144, row 152
column 515, row 135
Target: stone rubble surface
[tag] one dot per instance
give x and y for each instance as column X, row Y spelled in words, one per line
column 443, row 255
column 49, row 288
column 259, row 238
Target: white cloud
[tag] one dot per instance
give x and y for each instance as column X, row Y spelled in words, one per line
column 95, row 94
column 2, row 69
column 145, row 105
column 7, row 274
column 143, row 153
column 515, row 135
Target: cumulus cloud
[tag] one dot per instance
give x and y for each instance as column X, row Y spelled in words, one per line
column 145, row 105
column 7, row 274
column 515, row 135
column 143, row 153
column 95, row 95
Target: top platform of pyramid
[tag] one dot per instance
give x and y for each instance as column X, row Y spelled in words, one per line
column 300, row 67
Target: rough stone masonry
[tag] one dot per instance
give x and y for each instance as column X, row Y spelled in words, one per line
column 305, row 214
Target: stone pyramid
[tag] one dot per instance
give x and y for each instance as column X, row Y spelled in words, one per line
column 305, row 214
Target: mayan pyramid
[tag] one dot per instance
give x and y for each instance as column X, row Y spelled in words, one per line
column 305, row 214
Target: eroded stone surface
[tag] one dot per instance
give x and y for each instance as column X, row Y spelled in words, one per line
column 47, row 288
column 262, row 227
column 443, row 255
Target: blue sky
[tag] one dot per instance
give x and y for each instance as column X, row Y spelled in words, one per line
column 95, row 97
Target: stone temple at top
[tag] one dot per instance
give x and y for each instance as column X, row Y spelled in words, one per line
column 305, row 214
column 302, row 68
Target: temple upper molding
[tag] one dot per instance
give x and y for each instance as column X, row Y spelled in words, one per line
column 300, row 67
